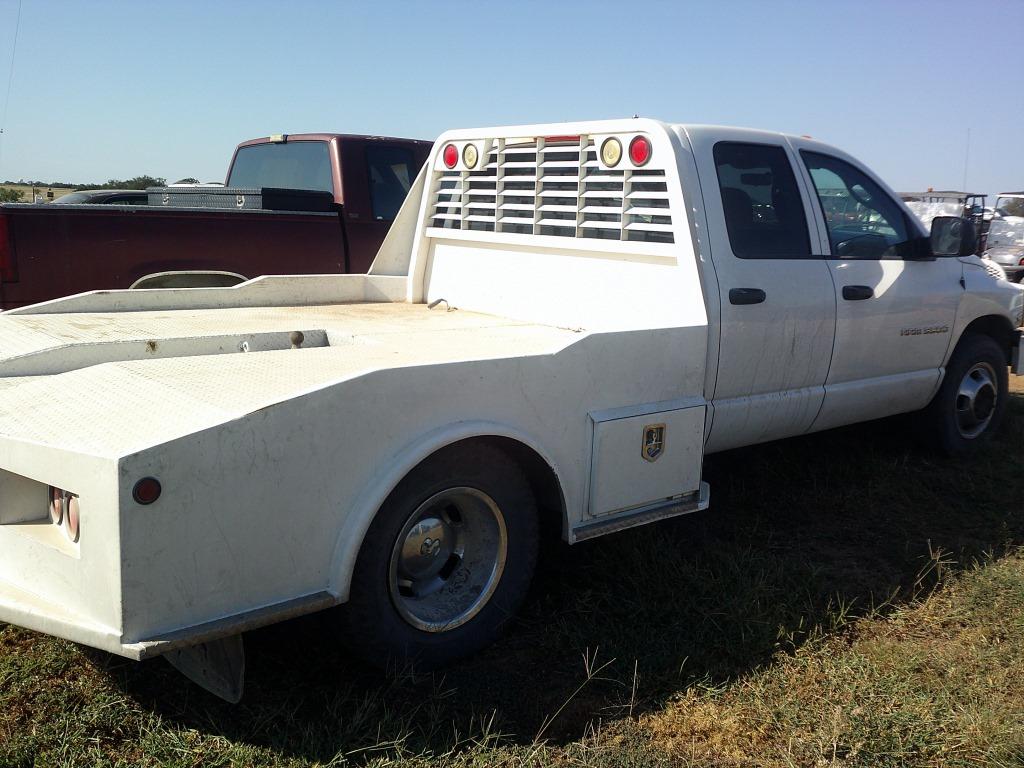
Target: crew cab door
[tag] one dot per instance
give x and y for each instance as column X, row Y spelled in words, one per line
column 895, row 312
column 777, row 308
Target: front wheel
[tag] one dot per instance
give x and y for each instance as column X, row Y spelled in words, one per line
column 446, row 562
column 969, row 405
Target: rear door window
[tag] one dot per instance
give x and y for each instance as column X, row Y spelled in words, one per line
column 391, row 172
column 763, row 212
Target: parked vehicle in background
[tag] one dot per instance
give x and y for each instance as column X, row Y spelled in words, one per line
column 1006, row 235
column 562, row 322
column 104, row 197
column 328, row 200
column 970, row 205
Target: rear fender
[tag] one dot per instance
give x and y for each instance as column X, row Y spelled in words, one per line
column 376, row 491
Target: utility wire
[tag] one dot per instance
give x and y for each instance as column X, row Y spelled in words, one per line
column 10, row 81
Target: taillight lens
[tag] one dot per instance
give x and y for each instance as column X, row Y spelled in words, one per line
column 470, row 155
column 71, row 524
column 640, row 150
column 56, row 505
column 450, row 155
column 8, row 267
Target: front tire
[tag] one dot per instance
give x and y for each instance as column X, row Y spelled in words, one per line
column 969, row 406
column 446, row 562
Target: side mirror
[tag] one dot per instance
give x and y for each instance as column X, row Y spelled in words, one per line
column 953, row 236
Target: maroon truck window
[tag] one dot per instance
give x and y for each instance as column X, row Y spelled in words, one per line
column 295, row 165
column 392, row 171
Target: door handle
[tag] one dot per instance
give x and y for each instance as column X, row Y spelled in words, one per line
column 857, row 292
column 746, row 295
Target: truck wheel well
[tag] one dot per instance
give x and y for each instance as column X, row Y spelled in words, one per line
column 542, row 479
column 999, row 328
column 206, row 278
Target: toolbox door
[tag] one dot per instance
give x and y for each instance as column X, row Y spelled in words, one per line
column 644, row 459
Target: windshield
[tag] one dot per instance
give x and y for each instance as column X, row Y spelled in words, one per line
column 1010, row 206
column 295, row 165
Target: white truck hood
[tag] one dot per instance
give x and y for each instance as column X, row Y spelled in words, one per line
column 111, row 384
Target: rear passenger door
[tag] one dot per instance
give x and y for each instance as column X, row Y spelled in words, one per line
column 777, row 308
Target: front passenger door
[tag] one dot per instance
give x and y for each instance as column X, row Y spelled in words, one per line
column 894, row 311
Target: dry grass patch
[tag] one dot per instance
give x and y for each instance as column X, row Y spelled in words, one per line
column 937, row 684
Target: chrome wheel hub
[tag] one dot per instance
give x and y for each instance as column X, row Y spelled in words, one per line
column 448, row 559
column 976, row 400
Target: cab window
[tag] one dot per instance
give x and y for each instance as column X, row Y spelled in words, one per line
column 763, row 212
column 863, row 221
column 391, row 172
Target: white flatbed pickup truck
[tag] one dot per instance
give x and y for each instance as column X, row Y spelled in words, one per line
column 563, row 320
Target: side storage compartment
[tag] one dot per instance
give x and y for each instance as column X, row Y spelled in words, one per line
column 646, row 458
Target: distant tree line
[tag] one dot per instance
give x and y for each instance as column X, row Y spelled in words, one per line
column 136, row 182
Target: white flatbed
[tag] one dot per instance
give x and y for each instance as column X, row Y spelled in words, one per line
column 562, row 321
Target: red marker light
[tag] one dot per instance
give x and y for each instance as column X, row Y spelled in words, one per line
column 450, row 155
column 640, row 150
column 146, row 491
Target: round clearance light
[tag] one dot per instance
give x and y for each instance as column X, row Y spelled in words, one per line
column 611, row 152
column 450, row 155
column 56, row 505
column 640, row 150
column 146, row 491
column 470, row 155
column 71, row 527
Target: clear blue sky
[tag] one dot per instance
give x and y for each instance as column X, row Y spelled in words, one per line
column 109, row 89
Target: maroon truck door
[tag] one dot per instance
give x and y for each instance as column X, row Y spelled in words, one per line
column 377, row 175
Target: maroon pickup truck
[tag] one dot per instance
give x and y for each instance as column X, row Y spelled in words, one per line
column 327, row 202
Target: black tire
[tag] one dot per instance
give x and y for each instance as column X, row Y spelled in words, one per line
column 975, row 353
column 372, row 622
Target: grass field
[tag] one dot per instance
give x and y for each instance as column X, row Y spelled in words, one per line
column 847, row 601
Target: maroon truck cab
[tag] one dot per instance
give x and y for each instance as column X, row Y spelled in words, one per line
column 48, row 251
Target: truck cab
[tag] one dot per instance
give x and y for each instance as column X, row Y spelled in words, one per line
column 1006, row 235
column 561, row 322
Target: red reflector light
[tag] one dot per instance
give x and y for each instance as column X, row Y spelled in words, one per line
column 560, row 139
column 450, row 156
column 640, row 150
column 8, row 268
column 146, row 491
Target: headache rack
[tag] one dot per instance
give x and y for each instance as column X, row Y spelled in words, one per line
column 553, row 187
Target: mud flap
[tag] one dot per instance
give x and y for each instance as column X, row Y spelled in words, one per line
column 217, row 666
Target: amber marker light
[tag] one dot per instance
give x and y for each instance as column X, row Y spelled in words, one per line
column 611, row 151
column 470, row 155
